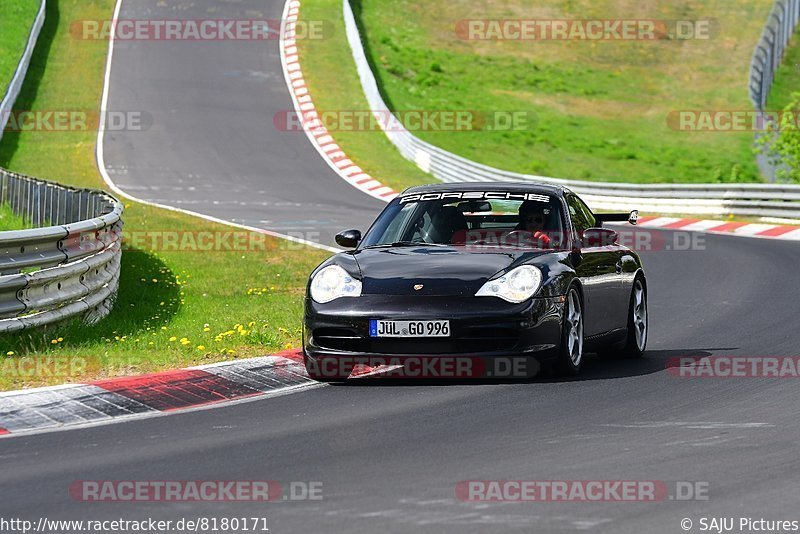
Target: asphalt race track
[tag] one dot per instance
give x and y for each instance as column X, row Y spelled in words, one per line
column 212, row 146
column 389, row 456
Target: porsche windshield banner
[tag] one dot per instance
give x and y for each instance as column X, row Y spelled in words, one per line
column 475, row 195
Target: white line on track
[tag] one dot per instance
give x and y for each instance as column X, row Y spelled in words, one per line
column 151, row 415
column 101, row 161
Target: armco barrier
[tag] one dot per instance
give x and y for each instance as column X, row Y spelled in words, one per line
column 69, row 269
column 754, row 200
column 68, row 265
column 771, row 47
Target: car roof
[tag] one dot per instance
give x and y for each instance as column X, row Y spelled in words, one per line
column 514, row 187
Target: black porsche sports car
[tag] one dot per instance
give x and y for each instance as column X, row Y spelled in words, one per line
column 479, row 270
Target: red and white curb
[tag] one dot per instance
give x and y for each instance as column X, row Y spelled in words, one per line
column 124, row 398
column 741, row 229
column 319, row 136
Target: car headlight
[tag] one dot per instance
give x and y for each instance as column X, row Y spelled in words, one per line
column 333, row 282
column 515, row 286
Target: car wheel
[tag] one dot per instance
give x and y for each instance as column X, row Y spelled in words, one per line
column 571, row 352
column 636, row 340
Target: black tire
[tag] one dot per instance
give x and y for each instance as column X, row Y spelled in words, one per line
column 570, row 353
column 636, row 338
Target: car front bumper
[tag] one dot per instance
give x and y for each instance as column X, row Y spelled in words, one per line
column 484, row 327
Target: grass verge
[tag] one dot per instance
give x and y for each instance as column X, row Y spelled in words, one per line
column 10, row 220
column 333, row 82
column 787, row 79
column 15, row 24
column 175, row 307
column 601, row 108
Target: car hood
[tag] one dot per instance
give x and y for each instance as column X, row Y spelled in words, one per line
column 439, row 270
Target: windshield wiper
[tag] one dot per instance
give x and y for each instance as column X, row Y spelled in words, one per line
column 406, row 244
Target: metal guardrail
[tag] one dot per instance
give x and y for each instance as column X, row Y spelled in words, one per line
column 769, row 52
column 760, row 200
column 22, row 68
column 69, row 265
column 770, row 49
column 67, row 270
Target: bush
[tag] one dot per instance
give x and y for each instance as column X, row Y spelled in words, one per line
column 781, row 142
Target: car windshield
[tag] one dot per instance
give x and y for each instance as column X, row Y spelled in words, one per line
column 481, row 219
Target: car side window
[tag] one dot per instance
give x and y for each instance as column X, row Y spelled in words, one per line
column 581, row 215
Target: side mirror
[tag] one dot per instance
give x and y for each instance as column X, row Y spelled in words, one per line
column 633, row 218
column 599, row 237
column 348, row 238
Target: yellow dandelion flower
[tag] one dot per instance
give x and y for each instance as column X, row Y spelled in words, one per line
column 173, row 338
column 200, row 347
column 10, row 353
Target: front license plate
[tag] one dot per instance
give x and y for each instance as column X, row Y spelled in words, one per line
column 381, row 328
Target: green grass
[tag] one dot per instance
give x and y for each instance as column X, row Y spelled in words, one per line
column 787, row 79
column 10, row 220
column 333, row 82
column 232, row 304
column 15, row 23
column 601, row 108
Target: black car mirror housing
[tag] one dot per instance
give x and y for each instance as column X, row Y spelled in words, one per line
column 348, row 238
